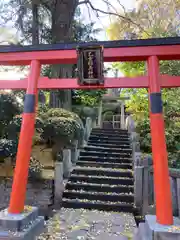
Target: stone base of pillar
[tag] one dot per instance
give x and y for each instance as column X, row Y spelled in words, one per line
column 27, row 225
column 151, row 230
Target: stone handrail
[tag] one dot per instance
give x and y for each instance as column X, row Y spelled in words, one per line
column 70, row 157
column 139, row 188
column 131, row 127
column 143, row 177
column 145, row 185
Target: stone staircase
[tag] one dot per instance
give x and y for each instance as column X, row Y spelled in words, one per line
column 103, row 176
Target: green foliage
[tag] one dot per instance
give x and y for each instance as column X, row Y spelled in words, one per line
column 62, row 126
column 9, row 108
column 42, row 109
column 59, row 129
column 88, row 97
column 35, row 169
column 153, row 19
column 149, row 19
column 130, row 69
column 84, row 32
column 19, row 94
column 13, row 128
column 59, row 112
column 138, row 106
column 8, row 148
column 86, row 102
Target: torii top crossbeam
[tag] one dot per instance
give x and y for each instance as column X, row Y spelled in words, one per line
column 123, row 50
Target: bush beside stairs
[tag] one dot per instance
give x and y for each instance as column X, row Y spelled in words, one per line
column 103, row 176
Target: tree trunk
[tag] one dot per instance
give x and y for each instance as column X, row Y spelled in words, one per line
column 61, row 98
column 62, row 19
column 35, row 24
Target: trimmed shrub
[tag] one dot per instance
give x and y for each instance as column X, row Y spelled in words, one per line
column 8, row 148
column 61, row 123
column 35, row 169
column 9, row 108
column 13, row 128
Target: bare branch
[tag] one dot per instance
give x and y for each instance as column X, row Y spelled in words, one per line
column 109, row 5
column 121, row 5
column 97, row 11
column 83, row 2
column 89, row 13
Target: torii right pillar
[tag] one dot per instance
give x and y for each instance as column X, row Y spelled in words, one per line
column 164, row 213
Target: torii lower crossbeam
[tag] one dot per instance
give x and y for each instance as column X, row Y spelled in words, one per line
column 72, row 83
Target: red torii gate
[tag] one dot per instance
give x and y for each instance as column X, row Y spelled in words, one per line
column 150, row 50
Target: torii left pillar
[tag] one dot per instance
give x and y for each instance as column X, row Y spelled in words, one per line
column 18, row 193
column 13, row 219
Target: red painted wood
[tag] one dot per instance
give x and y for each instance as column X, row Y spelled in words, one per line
column 168, row 81
column 110, row 55
column 71, row 83
column 109, row 83
column 164, row 213
column 18, row 193
column 13, row 84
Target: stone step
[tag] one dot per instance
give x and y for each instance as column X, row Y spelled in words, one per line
column 104, row 159
column 108, row 145
column 96, row 187
column 110, row 133
column 138, row 218
column 111, row 136
column 108, row 140
column 99, row 205
column 106, row 149
column 123, row 137
column 102, row 179
column 102, row 172
column 109, row 130
column 104, row 164
column 105, row 154
column 127, row 198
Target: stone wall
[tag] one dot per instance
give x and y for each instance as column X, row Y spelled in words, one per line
column 47, row 192
column 38, row 194
column 144, row 182
column 70, row 157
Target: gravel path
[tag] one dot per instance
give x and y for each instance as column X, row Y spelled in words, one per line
column 81, row 224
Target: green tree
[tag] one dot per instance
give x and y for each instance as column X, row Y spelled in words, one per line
column 88, row 97
column 52, row 21
column 157, row 19
column 152, row 18
column 9, row 108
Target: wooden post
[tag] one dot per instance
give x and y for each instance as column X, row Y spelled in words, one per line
column 138, row 186
column 100, row 114
column 25, row 142
column 122, row 116
column 160, row 160
column 145, row 186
